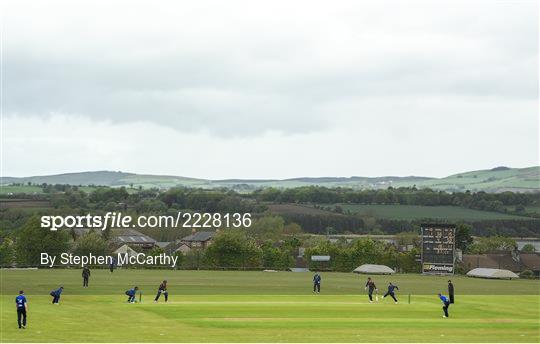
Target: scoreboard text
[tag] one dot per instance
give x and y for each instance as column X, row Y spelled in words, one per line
column 438, row 243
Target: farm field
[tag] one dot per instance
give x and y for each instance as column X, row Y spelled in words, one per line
column 413, row 212
column 240, row 306
column 16, row 189
column 38, row 190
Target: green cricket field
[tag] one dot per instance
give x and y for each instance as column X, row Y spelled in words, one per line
column 242, row 306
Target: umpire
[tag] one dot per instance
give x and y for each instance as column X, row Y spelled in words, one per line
column 85, row 276
column 450, row 291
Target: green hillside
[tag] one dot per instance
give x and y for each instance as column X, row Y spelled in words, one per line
column 79, row 178
column 495, row 180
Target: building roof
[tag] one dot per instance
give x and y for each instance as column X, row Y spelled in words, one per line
column 175, row 246
column 199, row 237
column 131, row 236
column 492, row 273
column 125, row 249
column 374, row 269
column 162, row 244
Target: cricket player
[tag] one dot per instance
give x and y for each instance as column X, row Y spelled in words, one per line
column 450, row 291
column 317, row 283
column 446, row 304
column 85, row 276
column 22, row 307
column 162, row 289
column 131, row 294
column 370, row 287
column 111, row 265
column 390, row 291
column 56, row 295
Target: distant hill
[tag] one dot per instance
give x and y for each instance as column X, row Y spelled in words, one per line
column 498, row 179
column 79, row 178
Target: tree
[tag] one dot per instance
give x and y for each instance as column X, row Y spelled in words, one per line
column 233, row 249
column 276, row 257
column 266, row 228
column 489, row 244
column 463, row 236
column 150, row 206
column 270, row 255
column 92, row 243
column 34, row 240
column 528, row 248
column 155, row 251
column 7, row 252
column 408, row 238
column 180, row 259
column 292, row 228
column 519, row 209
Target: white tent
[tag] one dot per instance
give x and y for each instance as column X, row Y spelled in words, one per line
column 492, row 273
column 374, row 269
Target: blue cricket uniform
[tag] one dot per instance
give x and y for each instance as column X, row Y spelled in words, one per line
column 56, row 295
column 20, row 301
column 131, row 295
column 390, row 291
column 446, row 304
column 317, row 283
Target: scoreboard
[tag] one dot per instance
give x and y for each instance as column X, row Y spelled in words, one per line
column 438, row 243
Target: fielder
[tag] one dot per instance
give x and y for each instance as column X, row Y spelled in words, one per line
column 56, row 295
column 446, row 304
column 22, row 307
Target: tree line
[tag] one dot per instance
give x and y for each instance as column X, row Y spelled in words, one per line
column 154, row 201
column 403, row 195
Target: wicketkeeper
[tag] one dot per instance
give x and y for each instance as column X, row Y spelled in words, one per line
column 131, row 294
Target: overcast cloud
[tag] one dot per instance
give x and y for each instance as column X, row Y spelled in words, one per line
column 246, row 89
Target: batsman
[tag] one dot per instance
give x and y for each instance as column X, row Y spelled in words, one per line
column 162, row 290
column 370, row 286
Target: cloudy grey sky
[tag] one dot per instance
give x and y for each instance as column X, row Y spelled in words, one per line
column 275, row 89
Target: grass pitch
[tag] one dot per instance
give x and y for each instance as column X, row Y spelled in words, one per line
column 216, row 306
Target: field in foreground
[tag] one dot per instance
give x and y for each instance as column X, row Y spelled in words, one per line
column 208, row 306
